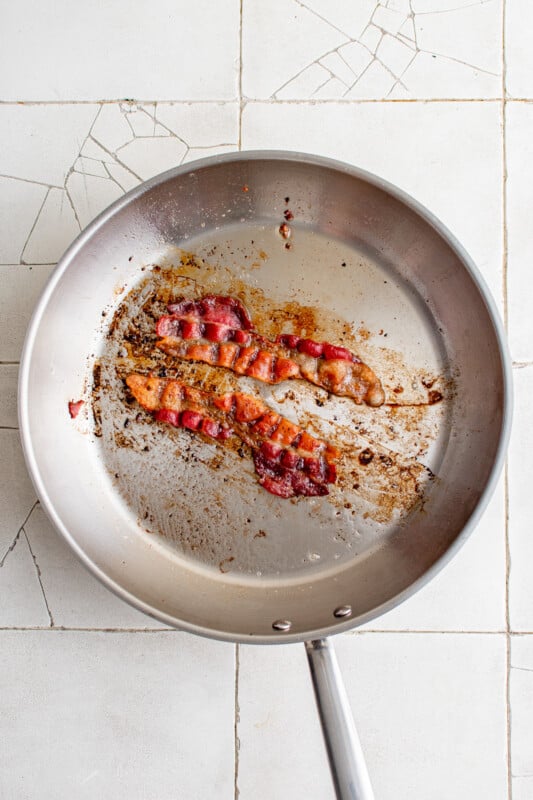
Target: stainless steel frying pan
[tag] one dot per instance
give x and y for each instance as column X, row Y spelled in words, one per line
column 206, row 550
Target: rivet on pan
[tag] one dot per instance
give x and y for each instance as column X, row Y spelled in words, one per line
column 282, row 625
column 343, row 611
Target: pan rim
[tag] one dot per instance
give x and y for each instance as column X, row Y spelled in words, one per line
column 312, row 160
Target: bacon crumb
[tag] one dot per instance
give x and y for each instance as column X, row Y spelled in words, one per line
column 74, row 408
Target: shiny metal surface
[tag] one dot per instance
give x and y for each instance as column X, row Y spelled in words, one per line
column 443, row 294
column 347, row 763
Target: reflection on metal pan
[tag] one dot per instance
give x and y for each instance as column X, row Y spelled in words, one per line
column 367, row 268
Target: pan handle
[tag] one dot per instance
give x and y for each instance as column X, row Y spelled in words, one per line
column 346, row 759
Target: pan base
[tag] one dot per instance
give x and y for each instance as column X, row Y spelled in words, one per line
column 203, row 501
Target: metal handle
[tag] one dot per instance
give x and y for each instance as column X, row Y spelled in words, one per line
column 346, row 759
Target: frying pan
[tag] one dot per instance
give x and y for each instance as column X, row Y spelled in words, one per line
column 364, row 258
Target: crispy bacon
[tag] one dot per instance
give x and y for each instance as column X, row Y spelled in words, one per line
column 288, row 460
column 219, row 331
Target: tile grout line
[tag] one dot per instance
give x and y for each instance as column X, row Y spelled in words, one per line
column 67, row 629
column 506, row 465
column 34, row 264
column 374, row 632
column 240, row 74
column 268, row 101
column 236, row 741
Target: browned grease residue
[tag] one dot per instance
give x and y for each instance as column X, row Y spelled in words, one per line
column 387, row 481
column 223, row 565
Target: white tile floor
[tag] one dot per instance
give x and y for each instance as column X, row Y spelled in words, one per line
column 435, row 95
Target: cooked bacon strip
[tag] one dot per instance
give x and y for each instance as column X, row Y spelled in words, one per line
column 218, row 331
column 288, row 460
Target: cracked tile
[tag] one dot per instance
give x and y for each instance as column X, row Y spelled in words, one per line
column 91, row 149
column 447, row 155
column 430, row 74
column 90, row 166
column 22, row 599
column 339, row 67
column 201, row 124
column 8, row 395
column 120, row 715
column 306, row 84
column 357, row 57
column 55, row 228
column 394, row 54
column 288, row 37
column 371, row 38
column 148, row 157
column 333, row 85
column 433, row 7
column 20, row 202
column 111, row 128
column 142, row 122
column 407, row 30
column 521, row 696
column 159, row 130
column 17, row 495
column 90, row 195
column 350, row 18
column 400, row 686
column 518, row 51
column 97, row 156
column 520, row 469
column 203, row 152
column 122, row 49
column 402, row 6
column 125, row 179
column 450, row 34
column 519, row 146
column 76, row 599
column 20, row 287
column 376, row 76
column 40, row 143
column 388, row 19
column 463, row 38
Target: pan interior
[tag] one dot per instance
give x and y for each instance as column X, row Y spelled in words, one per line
column 205, row 500
column 166, row 528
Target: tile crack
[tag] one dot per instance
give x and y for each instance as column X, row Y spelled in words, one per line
column 327, row 21
column 36, row 220
column 17, row 535
column 39, row 576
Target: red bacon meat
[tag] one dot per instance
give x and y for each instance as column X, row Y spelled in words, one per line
column 289, row 461
column 218, row 331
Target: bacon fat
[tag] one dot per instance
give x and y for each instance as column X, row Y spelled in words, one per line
column 287, row 459
column 218, row 331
